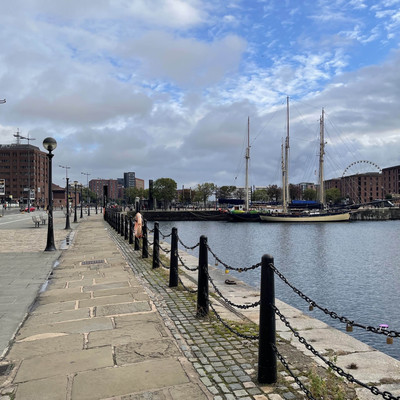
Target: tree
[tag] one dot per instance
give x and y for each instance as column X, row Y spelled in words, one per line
column 333, row 195
column 309, row 194
column 274, row 192
column 260, row 195
column 226, row 192
column 164, row 189
column 204, row 191
column 294, row 192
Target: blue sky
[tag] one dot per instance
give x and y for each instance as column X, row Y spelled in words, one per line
column 164, row 87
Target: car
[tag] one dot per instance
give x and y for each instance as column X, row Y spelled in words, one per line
column 30, row 209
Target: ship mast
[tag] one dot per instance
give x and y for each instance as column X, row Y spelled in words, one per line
column 286, row 197
column 247, row 157
column 321, row 159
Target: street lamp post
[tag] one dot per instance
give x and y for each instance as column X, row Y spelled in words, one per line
column 81, row 201
column 75, row 217
column 87, row 196
column 50, row 144
column 67, row 225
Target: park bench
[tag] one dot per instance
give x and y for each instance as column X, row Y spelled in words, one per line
column 43, row 218
column 36, row 220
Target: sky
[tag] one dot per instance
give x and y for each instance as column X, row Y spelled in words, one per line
column 165, row 88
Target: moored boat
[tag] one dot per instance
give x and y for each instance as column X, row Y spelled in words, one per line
column 321, row 215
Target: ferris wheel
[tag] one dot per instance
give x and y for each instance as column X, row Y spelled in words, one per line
column 351, row 180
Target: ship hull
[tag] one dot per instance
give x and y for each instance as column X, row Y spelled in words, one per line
column 334, row 217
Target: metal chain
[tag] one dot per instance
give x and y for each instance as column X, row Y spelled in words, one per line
column 297, row 380
column 250, row 337
column 332, row 314
column 241, row 306
column 187, row 247
column 185, row 266
column 232, row 268
column 185, row 287
column 163, row 265
column 338, row 370
column 165, row 236
column 164, row 250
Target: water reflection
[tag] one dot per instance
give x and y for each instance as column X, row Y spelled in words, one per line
column 350, row 268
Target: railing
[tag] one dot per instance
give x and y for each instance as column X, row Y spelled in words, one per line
column 268, row 352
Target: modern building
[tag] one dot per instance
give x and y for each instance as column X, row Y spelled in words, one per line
column 129, row 180
column 24, row 171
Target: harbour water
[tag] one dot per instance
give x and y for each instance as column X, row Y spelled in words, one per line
column 352, row 269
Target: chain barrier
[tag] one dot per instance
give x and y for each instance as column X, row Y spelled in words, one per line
column 165, row 236
column 250, row 337
column 296, row 379
column 163, row 265
column 241, row 306
column 373, row 389
column 185, row 287
column 332, row 314
column 185, row 266
column 188, row 247
column 164, row 250
column 232, row 268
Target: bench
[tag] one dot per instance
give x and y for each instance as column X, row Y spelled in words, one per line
column 43, row 218
column 36, row 220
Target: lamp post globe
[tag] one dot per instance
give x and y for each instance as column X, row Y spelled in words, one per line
column 50, row 144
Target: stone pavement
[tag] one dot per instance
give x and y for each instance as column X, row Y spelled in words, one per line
column 24, row 266
column 109, row 327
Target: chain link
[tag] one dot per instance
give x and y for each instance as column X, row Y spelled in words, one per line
column 338, row 370
column 333, row 314
column 187, row 247
column 241, row 306
column 297, row 380
column 165, row 236
column 185, row 287
column 232, row 268
column 250, row 337
column 185, row 266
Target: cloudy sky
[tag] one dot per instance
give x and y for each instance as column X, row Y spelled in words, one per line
column 165, row 88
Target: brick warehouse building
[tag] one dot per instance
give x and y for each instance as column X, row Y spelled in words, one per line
column 24, row 166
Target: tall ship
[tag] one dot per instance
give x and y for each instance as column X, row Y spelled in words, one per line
column 246, row 215
column 317, row 215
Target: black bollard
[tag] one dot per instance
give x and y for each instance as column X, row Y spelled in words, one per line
column 126, row 227
column 267, row 331
column 145, row 242
column 130, row 230
column 137, row 243
column 118, row 223
column 156, row 244
column 122, row 232
column 202, row 281
column 173, row 262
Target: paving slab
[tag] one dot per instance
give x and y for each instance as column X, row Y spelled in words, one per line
column 81, row 326
column 127, row 334
column 146, row 375
column 63, row 363
column 126, row 308
column 46, row 345
column 59, row 316
column 54, row 388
